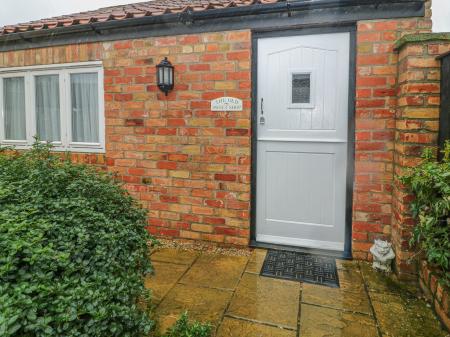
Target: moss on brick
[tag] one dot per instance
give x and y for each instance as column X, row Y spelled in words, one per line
column 421, row 38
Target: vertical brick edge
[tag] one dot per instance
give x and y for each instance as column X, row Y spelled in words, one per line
column 437, row 294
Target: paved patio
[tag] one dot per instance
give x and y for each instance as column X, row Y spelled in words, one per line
column 228, row 292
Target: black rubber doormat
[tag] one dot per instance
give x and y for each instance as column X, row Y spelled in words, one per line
column 301, row 267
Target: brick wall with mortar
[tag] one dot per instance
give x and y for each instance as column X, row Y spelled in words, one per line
column 435, row 292
column 191, row 167
column 417, row 126
column 376, row 100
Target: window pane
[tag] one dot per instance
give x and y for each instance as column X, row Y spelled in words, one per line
column 301, row 88
column 84, row 93
column 14, row 107
column 48, row 122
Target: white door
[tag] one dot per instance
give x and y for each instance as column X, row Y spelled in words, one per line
column 303, row 84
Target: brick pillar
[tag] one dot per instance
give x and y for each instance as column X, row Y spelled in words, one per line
column 376, row 102
column 416, row 127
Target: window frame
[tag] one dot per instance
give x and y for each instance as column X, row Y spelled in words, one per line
column 3, row 140
column 63, row 71
column 33, row 117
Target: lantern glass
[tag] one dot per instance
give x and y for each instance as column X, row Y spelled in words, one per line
column 160, row 75
column 166, row 76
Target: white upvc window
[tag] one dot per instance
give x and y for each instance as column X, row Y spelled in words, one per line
column 62, row 104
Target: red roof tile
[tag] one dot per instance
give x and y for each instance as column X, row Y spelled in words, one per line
column 137, row 10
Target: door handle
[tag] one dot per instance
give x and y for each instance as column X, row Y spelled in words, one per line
column 262, row 119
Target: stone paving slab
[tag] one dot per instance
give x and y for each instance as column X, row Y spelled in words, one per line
column 231, row 327
column 203, row 304
column 228, row 292
column 206, row 269
column 164, row 279
column 324, row 322
column 256, row 261
column 178, row 256
column 345, row 264
column 351, row 280
column 266, row 300
column 380, row 283
column 336, row 298
column 403, row 316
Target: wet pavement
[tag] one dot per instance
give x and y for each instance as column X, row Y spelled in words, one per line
column 228, row 292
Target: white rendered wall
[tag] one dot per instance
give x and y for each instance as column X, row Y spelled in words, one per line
column 441, row 15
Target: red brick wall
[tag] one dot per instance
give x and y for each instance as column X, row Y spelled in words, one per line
column 376, row 100
column 435, row 292
column 191, row 167
column 417, row 126
column 188, row 165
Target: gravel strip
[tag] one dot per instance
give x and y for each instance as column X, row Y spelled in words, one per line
column 204, row 247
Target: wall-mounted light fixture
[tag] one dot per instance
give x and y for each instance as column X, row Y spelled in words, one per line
column 165, row 75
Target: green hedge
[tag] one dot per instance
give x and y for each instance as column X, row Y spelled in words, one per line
column 430, row 184
column 73, row 250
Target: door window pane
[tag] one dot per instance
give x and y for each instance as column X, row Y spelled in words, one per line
column 301, row 88
column 84, row 98
column 48, row 122
column 14, row 108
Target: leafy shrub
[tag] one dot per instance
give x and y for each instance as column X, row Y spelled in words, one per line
column 184, row 328
column 430, row 184
column 73, row 250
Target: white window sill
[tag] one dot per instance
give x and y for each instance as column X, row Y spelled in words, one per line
column 75, row 149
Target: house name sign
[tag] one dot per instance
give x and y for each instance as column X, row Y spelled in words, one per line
column 226, row 104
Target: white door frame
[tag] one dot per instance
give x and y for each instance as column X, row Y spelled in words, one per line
column 351, row 132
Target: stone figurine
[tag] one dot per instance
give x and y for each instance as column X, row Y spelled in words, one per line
column 383, row 255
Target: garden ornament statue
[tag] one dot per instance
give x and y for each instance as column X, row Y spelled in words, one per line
column 382, row 255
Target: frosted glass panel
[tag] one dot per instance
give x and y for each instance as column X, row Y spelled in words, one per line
column 48, row 120
column 301, row 88
column 14, row 107
column 84, row 97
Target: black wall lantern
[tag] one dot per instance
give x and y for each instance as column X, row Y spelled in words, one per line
column 165, row 75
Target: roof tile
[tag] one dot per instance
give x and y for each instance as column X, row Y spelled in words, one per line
column 130, row 11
